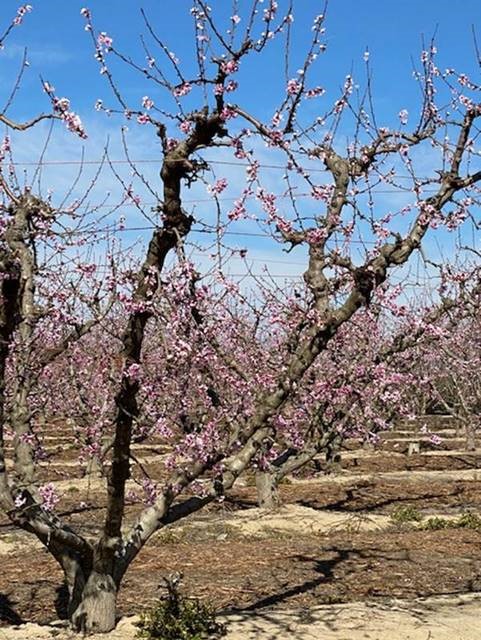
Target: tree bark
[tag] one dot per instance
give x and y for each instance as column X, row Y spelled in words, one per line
column 267, row 490
column 470, row 433
column 93, row 603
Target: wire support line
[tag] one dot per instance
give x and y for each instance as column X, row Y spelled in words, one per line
column 159, row 161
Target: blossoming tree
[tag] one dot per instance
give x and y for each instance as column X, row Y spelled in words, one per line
column 173, row 361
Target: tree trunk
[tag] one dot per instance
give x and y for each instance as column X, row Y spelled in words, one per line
column 470, row 433
column 94, row 468
column 267, row 490
column 93, row 604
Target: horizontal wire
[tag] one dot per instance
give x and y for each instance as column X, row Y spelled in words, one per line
column 280, row 196
column 231, row 163
column 247, row 234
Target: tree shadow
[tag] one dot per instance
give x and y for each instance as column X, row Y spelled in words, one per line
column 7, row 612
column 323, row 567
column 353, row 495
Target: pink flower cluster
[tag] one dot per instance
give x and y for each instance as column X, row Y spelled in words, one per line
column 50, row 497
column 230, row 66
column 293, row 87
column 61, row 107
column 182, row 90
column 147, row 103
column 104, row 41
column 218, row 187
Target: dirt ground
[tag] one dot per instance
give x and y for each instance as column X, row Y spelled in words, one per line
column 331, row 544
column 331, row 564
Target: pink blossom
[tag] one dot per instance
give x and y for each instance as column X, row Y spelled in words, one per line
column 228, row 113
column 238, row 212
column 5, row 147
column 252, row 170
column 182, row 90
column 293, row 87
column 25, row 8
column 323, row 192
column 62, row 104
column 150, row 490
column 218, row 187
column 277, row 119
column 21, row 11
column 403, row 116
column 143, row 118
column 74, row 123
column 133, row 372
column 129, row 193
column 315, row 92
column 270, row 12
column 316, row 236
column 185, row 126
column 230, row 66
column 104, row 40
column 49, row 495
column 147, row 103
column 48, row 88
column 231, row 86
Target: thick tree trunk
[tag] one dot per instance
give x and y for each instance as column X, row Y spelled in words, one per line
column 267, row 490
column 93, row 604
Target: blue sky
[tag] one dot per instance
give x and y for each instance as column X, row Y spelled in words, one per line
column 61, row 51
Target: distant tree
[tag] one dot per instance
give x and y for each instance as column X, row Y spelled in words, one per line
column 446, row 366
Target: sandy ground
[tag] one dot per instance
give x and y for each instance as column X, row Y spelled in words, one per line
column 440, row 618
column 290, row 519
column 293, row 519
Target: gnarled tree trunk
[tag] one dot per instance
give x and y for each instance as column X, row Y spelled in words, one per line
column 95, row 611
column 92, row 605
column 93, row 586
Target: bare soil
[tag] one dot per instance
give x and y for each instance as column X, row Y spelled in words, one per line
column 331, row 564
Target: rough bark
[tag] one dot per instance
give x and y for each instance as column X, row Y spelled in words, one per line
column 17, row 239
column 93, row 604
column 267, row 490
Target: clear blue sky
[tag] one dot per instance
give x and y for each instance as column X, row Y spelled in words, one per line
column 61, row 51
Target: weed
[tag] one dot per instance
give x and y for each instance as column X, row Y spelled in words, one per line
column 405, row 513
column 435, row 524
column 467, row 520
column 176, row 617
column 168, row 536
